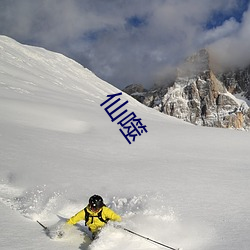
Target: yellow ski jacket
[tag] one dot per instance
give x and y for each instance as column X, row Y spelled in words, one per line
column 94, row 223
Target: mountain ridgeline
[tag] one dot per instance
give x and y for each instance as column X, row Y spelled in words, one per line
column 202, row 95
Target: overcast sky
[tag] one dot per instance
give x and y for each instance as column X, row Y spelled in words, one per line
column 131, row 41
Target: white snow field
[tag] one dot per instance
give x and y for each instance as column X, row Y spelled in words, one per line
column 182, row 185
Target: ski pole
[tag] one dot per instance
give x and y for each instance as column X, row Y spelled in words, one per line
column 146, row 238
column 45, row 228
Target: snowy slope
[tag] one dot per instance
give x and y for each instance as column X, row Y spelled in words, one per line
column 179, row 184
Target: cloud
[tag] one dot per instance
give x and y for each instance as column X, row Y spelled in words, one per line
column 228, row 28
column 125, row 42
column 233, row 49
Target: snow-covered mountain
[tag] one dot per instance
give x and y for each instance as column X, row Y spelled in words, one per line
column 182, row 185
column 201, row 95
column 237, row 81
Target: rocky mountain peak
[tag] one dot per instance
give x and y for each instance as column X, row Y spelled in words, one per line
column 196, row 64
column 200, row 96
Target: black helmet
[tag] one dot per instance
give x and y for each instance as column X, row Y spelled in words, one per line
column 96, row 202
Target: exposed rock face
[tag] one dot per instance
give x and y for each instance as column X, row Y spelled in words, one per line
column 199, row 97
column 137, row 91
column 237, row 81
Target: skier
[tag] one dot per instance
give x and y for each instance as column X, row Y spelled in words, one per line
column 95, row 214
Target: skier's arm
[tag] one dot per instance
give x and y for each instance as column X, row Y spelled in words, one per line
column 77, row 217
column 110, row 214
